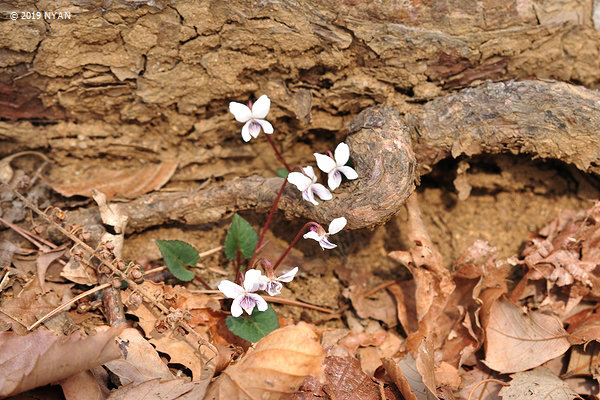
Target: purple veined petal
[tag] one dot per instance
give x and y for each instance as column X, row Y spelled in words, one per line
column 310, row 173
column 334, row 179
column 298, row 179
column 253, row 128
column 261, row 107
column 349, row 172
column 341, row 154
column 247, row 302
column 274, row 288
column 240, row 111
column 246, row 132
column 308, row 196
column 252, row 280
column 288, row 276
column 336, row 225
column 326, row 244
column 325, row 163
column 321, row 191
column 266, row 125
column 230, row 289
column 261, row 304
column 236, row 308
column 312, row 235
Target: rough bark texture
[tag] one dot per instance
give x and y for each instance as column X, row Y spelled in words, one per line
column 138, row 81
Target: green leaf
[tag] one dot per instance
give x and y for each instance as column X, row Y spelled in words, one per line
column 282, row 172
column 177, row 256
column 240, row 236
column 253, row 327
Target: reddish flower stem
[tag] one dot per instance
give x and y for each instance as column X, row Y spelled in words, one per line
column 300, row 232
column 277, row 154
column 269, row 218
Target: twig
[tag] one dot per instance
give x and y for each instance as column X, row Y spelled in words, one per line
column 209, row 252
column 68, row 303
column 379, row 287
column 278, row 300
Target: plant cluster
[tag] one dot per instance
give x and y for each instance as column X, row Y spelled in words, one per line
column 242, row 241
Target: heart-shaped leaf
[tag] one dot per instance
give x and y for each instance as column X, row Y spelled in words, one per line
column 177, row 256
column 240, row 236
column 253, row 327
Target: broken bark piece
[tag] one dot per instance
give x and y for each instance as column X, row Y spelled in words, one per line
column 544, row 119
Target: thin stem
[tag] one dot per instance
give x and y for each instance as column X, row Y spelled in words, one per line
column 277, row 154
column 285, row 253
column 269, row 218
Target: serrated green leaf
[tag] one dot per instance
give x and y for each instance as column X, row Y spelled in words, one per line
column 253, row 327
column 240, row 236
column 177, row 256
column 282, row 172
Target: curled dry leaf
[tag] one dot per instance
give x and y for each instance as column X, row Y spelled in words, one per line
column 516, row 341
column 129, row 183
column 41, row 357
column 274, row 368
column 182, row 352
column 408, row 379
column 140, row 362
column 538, row 384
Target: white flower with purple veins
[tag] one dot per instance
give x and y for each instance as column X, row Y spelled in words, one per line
column 336, row 166
column 273, row 286
column 319, row 234
column 244, row 298
column 253, row 118
column 307, row 183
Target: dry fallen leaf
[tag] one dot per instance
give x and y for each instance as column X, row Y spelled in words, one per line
column 380, row 305
column 129, row 183
column 516, row 341
column 41, row 357
column 180, row 352
column 156, row 389
column 82, row 386
column 408, row 379
column 538, row 384
column 274, row 368
column 344, row 379
column 140, row 362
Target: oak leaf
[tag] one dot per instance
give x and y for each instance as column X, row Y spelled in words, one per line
column 538, row 384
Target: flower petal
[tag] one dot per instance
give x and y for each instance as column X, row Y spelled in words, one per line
column 337, row 225
column 325, row 163
column 310, row 172
column 252, row 280
column 236, row 308
column 341, row 154
column 260, row 108
column 312, row 235
column 298, row 179
column 288, row 276
column 248, row 302
column 334, row 179
column 274, row 288
column 349, row 172
column 246, row 132
column 326, row 244
column 321, row 191
column 308, row 196
column 266, row 125
column 230, row 289
column 261, row 304
column 253, row 128
column 240, row 111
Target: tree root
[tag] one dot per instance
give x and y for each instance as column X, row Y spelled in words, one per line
column 542, row 119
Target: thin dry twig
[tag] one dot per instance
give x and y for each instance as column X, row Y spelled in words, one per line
column 114, row 269
column 66, row 304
